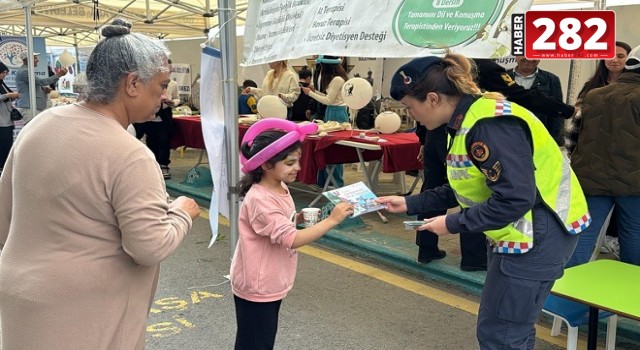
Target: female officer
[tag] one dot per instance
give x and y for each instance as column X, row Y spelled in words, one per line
column 513, row 184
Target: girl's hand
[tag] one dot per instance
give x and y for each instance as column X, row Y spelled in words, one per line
column 395, row 204
column 341, row 211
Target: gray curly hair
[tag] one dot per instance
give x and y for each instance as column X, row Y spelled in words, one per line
column 119, row 53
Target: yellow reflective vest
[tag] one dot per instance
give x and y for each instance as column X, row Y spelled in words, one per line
column 555, row 181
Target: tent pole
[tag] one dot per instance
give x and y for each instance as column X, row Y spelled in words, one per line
column 227, row 23
column 75, row 46
column 30, row 67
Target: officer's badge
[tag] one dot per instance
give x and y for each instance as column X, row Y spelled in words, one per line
column 479, row 151
column 493, row 173
column 405, row 78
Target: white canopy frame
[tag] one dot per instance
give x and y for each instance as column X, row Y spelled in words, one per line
column 72, row 22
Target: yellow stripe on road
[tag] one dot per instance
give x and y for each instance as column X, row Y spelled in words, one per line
column 409, row 285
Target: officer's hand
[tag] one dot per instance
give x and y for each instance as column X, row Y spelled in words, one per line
column 395, row 204
column 437, row 225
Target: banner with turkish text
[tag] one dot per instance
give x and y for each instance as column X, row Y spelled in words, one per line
column 286, row 29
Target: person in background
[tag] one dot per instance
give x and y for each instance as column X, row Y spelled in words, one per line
column 6, row 124
column 160, row 129
column 512, row 182
column 607, row 162
column 51, row 73
column 280, row 81
column 607, row 72
column 529, row 76
column 247, row 103
column 263, row 268
column 327, row 91
column 301, row 108
column 81, row 250
column 42, row 87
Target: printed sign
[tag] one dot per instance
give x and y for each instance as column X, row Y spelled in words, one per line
column 564, row 34
column 287, row 29
column 181, row 74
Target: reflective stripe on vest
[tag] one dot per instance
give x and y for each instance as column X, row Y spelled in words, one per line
column 558, row 187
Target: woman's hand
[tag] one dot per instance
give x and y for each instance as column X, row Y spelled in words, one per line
column 306, row 90
column 13, row 95
column 395, row 204
column 437, row 225
column 246, row 91
column 188, row 205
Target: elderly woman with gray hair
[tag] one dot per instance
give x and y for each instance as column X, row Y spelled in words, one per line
column 85, row 219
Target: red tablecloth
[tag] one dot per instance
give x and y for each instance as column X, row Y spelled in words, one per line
column 399, row 153
column 187, row 132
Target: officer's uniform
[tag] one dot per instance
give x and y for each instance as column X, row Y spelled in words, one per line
column 491, row 77
column 520, row 201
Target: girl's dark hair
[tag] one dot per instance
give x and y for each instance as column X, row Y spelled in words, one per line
column 327, row 73
column 601, row 76
column 259, row 143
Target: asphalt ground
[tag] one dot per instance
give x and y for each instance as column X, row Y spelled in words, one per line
column 338, row 302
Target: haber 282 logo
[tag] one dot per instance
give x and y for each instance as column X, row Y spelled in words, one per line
column 564, row 34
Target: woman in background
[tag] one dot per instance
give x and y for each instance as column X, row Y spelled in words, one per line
column 6, row 124
column 330, row 78
column 280, row 81
column 607, row 72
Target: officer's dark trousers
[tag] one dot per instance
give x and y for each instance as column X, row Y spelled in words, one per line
column 517, row 286
column 472, row 245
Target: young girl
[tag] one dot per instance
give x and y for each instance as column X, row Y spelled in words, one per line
column 329, row 80
column 264, row 264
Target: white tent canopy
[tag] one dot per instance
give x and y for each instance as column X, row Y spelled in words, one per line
column 75, row 22
column 69, row 22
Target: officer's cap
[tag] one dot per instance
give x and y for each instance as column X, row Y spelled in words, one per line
column 407, row 76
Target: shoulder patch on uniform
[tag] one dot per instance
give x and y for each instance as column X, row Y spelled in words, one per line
column 507, row 79
column 479, row 151
column 493, row 173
